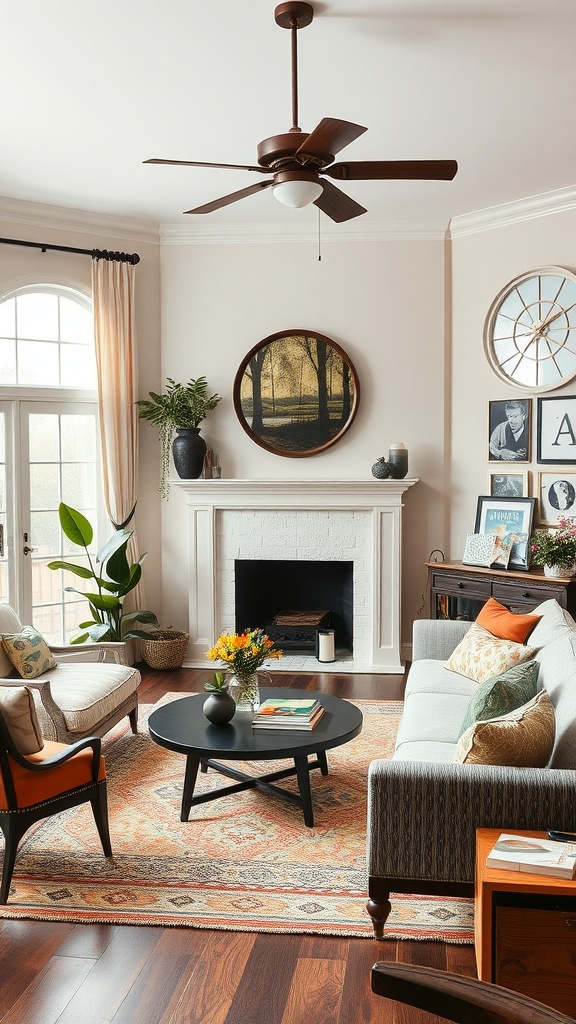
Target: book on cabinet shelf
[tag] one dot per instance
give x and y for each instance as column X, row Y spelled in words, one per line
column 537, row 856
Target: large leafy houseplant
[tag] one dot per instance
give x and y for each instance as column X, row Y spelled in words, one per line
column 181, row 406
column 113, row 577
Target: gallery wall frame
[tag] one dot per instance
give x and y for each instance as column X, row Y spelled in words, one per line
column 556, row 430
column 557, row 494
column 512, row 520
column 296, row 393
column 508, row 482
column 509, row 430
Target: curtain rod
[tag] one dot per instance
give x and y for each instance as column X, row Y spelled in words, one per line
column 96, row 254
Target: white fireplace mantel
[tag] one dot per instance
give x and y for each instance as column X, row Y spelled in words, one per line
column 359, row 520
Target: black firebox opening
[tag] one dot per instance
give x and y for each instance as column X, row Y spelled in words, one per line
column 264, row 588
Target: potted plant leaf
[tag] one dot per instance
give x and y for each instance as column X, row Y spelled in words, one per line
column 179, row 410
column 113, row 577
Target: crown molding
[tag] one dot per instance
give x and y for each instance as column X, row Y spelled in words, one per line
column 227, row 234
column 531, row 208
column 39, row 215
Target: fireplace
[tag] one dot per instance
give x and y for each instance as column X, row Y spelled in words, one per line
column 299, row 521
column 275, row 594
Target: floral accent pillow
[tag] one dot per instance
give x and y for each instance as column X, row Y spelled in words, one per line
column 522, row 739
column 481, row 655
column 28, row 652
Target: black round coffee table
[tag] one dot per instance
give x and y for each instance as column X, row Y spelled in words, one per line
column 182, row 726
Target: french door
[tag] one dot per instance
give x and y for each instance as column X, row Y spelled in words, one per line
column 48, row 454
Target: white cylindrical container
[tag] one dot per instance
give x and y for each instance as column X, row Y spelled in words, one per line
column 325, row 645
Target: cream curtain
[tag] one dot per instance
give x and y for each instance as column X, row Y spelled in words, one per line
column 113, row 288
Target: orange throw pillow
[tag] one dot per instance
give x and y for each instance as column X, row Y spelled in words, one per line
column 503, row 623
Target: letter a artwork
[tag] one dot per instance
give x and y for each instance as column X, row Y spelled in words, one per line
column 565, row 430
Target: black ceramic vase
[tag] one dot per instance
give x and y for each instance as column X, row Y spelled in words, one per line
column 219, row 708
column 188, row 451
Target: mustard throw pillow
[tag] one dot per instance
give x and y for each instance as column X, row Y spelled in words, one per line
column 524, row 738
column 28, row 652
column 19, row 714
column 480, row 655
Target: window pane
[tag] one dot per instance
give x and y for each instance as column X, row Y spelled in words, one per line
column 3, row 583
column 46, row 585
column 77, row 366
column 2, row 438
column 45, row 528
column 8, row 318
column 7, row 361
column 78, row 438
column 76, row 323
column 44, row 438
column 38, row 363
column 48, row 622
column 37, row 316
column 3, row 490
column 79, row 486
column 44, row 486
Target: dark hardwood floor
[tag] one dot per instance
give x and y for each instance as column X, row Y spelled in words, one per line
column 107, row 974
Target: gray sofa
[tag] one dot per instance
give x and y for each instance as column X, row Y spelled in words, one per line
column 424, row 809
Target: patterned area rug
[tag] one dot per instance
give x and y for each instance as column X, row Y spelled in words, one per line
column 244, row 862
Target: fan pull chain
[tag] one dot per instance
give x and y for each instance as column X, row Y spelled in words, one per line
column 319, row 239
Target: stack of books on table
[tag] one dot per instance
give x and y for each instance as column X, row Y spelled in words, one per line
column 539, row 856
column 283, row 713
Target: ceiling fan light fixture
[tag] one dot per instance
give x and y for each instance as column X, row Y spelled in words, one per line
column 296, row 189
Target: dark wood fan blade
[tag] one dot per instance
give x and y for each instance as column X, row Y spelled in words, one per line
column 329, row 137
column 217, row 204
column 202, row 163
column 337, row 205
column 374, row 170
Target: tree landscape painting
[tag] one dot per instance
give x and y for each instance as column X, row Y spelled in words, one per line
column 296, row 393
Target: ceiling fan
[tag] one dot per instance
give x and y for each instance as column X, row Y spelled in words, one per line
column 299, row 161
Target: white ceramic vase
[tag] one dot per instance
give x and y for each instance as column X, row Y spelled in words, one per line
column 563, row 571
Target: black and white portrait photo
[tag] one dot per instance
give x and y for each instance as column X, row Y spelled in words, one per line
column 557, row 496
column 509, row 430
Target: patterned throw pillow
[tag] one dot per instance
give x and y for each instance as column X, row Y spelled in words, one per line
column 523, row 739
column 19, row 714
column 480, row 655
column 500, row 621
column 502, row 693
column 28, row 652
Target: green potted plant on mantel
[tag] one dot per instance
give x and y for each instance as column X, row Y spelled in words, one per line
column 179, row 410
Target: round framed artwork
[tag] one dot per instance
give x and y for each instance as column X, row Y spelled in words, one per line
column 530, row 330
column 296, row 393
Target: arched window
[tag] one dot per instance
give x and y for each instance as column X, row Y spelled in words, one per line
column 48, row 448
column 47, row 338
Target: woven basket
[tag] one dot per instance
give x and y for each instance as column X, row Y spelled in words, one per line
column 166, row 650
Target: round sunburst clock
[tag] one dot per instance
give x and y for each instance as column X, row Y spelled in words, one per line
column 530, row 330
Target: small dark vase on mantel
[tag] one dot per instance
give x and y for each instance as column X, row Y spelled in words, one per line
column 188, row 451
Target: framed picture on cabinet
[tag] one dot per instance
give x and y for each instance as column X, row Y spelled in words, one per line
column 509, row 430
column 557, row 493
column 512, row 484
column 511, row 520
column 557, row 430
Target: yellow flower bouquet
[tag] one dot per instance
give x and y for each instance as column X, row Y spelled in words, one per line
column 243, row 653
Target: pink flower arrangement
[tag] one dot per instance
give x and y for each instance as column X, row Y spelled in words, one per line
column 556, row 546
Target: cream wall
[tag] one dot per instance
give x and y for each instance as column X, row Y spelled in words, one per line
column 383, row 302
column 483, row 263
column 21, row 265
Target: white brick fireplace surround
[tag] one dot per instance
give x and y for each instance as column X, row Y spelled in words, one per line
column 313, row 520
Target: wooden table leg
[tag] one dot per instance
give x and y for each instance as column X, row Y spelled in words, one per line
column 192, row 762
column 303, row 776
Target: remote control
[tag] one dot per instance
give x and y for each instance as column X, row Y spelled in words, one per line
column 561, row 837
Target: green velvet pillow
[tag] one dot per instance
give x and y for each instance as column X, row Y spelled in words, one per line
column 502, row 693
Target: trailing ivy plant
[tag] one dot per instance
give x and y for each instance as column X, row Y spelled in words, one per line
column 114, row 579
column 181, row 406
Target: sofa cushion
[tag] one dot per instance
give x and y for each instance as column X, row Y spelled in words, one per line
column 430, row 676
column 524, row 738
column 87, row 693
column 432, row 717
column 502, row 693
column 480, row 655
column 19, row 714
column 557, row 663
column 28, row 652
column 555, row 622
column 507, row 625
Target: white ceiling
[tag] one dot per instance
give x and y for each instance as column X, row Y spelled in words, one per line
column 91, row 88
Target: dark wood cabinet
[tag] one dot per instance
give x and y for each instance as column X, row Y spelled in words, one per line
column 458, row 591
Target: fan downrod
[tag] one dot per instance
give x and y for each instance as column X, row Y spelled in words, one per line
column 293, row 14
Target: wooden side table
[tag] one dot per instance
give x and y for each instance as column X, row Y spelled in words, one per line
column 459, row 591
column 525, row 928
